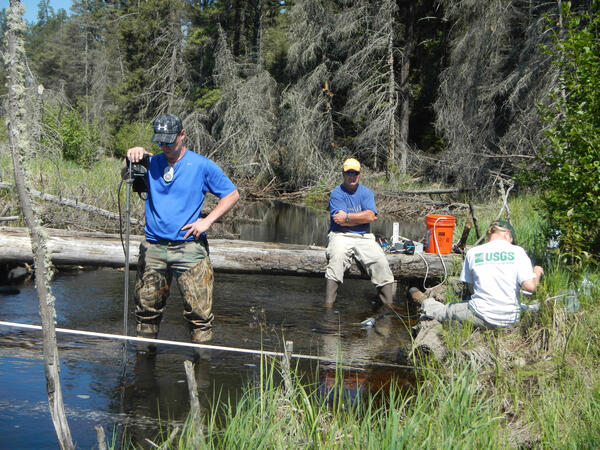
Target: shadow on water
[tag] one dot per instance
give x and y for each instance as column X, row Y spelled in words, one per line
column 251, row 312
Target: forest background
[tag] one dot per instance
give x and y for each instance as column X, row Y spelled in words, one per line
column 464, row 93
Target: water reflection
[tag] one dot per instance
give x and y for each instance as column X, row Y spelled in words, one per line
column 250, row 312
column 282, row 222
column 359, row 348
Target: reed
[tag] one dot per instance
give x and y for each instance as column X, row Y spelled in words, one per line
column 439, row 412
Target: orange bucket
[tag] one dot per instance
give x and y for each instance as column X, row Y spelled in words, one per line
column 439, row 231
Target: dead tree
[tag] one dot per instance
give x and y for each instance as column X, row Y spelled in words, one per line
column 306, row 135
column 167, row 76
column 497, row 76
column 245, row 115
column 18, row 142
column 366, row 33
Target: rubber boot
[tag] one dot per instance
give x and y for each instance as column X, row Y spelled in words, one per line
column 416, row 295
column 200, row 335
column 386, row 294
column 148, row 331
column 330, row 292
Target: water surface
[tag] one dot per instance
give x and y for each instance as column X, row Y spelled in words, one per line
column 251, row 311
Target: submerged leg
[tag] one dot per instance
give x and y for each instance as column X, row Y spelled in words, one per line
column 196, row 287
column 151, row 291
column 330, row 292
column 386, row 294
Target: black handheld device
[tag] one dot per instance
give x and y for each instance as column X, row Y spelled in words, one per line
column 138, row 173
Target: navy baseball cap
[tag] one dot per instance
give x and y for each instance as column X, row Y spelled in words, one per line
column 166, row 128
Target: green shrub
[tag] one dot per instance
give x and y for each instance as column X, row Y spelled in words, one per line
column 132, row 135
column 66, row 130
column 206, row 97
column 571, row 157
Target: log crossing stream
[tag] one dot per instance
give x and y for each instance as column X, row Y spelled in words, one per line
column 230, row 256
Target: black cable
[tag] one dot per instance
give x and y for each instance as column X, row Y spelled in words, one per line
column 121, row 217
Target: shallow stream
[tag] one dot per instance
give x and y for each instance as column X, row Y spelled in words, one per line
column 251, row 311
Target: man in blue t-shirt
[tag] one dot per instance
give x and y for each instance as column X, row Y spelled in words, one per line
column 352, row 210
column 176, row 246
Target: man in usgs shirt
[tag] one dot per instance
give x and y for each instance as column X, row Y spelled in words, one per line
column 494, row 272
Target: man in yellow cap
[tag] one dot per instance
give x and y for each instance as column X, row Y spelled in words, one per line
column 352, row 210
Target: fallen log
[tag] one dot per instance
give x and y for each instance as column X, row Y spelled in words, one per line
column 432, row 191
column 233, row 256
column 70, row 203
column 429, row 341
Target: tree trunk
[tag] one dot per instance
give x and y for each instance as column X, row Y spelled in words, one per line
column 404, row 118
column 257, row 33
column 174, row 61
column 18, row 144
column 393, row 100
column 237, row 26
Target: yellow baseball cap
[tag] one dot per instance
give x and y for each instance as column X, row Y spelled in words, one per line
column 351, row 164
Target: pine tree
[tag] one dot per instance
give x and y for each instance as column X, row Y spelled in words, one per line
column 151, row 40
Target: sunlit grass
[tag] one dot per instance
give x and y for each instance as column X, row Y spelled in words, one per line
column 439, row 413
column 97, row 187
column 61, row 177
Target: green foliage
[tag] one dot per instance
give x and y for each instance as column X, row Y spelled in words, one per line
column 318, row 196
column 143, row 41
column 276, row 45
column 132, row 135
column 571, row 157
column 200, row 42
column 66, row 130
column 206, row 97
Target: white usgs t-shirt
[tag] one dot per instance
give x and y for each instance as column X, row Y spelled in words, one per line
column 496, row 270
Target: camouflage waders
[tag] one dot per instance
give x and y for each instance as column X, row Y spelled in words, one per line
column 189, row 262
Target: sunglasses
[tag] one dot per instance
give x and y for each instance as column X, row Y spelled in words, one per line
column 160, row 144
column 351, row 173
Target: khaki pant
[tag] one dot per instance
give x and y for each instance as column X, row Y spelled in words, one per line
column 432, row 309
column 158, row 263
column 342, row 247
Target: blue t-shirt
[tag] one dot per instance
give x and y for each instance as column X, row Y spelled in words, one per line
column 357, row 201
column 170, row 206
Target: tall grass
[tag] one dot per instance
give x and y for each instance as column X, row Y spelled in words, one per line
column 56, row 176
column 439, row 413
column 98, row 187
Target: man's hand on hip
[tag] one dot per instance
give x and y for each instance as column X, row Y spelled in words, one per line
column 196, row 228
